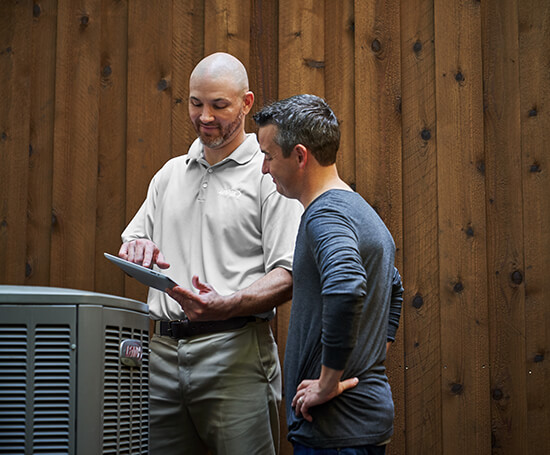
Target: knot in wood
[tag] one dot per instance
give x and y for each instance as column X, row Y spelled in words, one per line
column 426, row 134
column 417, row 301
column 457, row 389
column 517, row 277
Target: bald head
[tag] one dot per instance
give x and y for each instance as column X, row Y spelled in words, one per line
column 221, row 67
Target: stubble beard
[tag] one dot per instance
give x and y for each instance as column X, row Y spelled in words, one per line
column 225, row 134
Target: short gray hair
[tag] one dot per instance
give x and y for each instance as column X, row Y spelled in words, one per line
column 303, row 119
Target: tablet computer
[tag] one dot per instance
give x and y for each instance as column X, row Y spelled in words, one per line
column 149, row 277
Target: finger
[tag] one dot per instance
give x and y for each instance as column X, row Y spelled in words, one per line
column 183, row 293
column 123, row 252
column 305, row 414
column 349, row 383
column 161, row 262
column 305, row 384
column 303, row 409
column 297, row 404
column 148, row 254
column 202, row 287
column 132, row 251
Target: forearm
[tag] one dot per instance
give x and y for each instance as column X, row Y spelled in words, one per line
column 329, row 380
column 263, row 295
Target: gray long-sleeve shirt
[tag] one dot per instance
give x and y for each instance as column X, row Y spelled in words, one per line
column 344, row 276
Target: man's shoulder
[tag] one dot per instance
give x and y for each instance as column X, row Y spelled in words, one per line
column 173, row 165
column 182, row 161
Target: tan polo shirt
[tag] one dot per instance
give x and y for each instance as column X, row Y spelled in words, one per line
column 225, row 223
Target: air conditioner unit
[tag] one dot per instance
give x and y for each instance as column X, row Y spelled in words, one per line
column 74, row 369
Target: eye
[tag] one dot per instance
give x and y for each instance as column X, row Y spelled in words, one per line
column 195, row 103
column 220, row 106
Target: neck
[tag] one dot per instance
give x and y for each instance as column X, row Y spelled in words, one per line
column 214, row 156
column 324, row 178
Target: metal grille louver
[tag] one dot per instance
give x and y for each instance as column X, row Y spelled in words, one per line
column 13, row 381
column 35, row 369
column 126, row 396
column 52, row 390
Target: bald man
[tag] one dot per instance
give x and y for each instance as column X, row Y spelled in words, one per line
column 226, row 236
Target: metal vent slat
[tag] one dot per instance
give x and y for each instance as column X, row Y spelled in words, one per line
column 52, row 394
column 13, row 384
column 126, row 396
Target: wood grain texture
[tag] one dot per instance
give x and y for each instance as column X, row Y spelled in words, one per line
column 420, row 321
column 76, row 138
column 227, row 28
column 506, row 289
column 301, row 48
column 462, row 229
column 187, row 51
column 340, row 80
column 534, row 88
column 149, row 103
column 111, row 191
column 263, row 73
column 42, row 98
column 15, row 82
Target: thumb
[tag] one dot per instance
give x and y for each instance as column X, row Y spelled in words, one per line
column 201, row 287
column 349, row 383
column 161, row 262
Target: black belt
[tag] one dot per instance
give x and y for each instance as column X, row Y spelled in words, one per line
column 186, row 328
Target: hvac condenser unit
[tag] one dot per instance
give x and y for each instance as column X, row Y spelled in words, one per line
column 73, row 372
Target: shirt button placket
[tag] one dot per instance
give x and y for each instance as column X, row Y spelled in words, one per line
column 205, row 181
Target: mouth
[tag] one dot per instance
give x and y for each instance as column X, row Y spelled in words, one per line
column 207, row 128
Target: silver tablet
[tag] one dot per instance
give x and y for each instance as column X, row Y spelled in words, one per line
column 149, row 277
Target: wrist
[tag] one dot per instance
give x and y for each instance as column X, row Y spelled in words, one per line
column 329, row 379
column 232, row 304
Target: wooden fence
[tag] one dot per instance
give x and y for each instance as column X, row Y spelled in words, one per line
column 445, row 111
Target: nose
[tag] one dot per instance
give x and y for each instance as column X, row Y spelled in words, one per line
column 265, row 167
column 206, row 115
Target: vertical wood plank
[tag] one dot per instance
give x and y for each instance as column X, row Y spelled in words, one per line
column 462, row 228
column 149, row 105
column 76, row 144
column 44, row 31
column 15, row 54
column 378, row 144
column 301, row 70
column 420, row 317
column 506, row 290
column 301, row 48
column 111, row 191
column 227, row 28
column 534, row 58
column 264, row 61
column 340, row 80
column 378, row 108
column 187, row 51
column 263, row 76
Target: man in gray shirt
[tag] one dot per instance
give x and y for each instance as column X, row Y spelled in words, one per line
column 227, row 237
column 337, row 391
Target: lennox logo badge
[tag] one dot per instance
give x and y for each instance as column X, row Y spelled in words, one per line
column 131, row 353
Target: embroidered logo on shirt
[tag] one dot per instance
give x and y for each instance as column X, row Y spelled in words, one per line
column 230, row 193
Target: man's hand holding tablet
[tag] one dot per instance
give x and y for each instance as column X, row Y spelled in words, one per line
column 147, row 276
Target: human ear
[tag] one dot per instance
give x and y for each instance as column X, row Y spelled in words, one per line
column 301, row 154
column 248, row 101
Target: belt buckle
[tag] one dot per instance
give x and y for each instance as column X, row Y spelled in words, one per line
column 177, row 329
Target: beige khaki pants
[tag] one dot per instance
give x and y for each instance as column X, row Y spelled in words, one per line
column 219, row 392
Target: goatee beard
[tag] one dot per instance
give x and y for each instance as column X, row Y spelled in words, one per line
column 225, row 133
